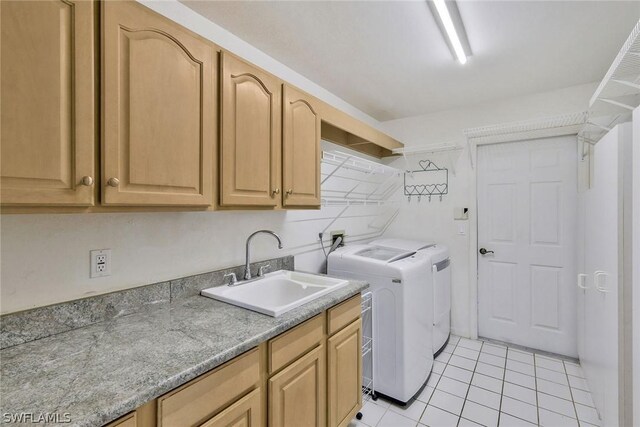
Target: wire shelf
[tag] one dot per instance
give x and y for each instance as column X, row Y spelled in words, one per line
column 617, row 95
column 348, row 180
column 366, row 346
column 349, row 161
column 527, row 129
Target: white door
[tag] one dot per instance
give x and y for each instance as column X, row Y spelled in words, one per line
column 527, row 203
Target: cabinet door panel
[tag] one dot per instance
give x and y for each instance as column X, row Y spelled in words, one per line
column 250, row 141
column 130, row 420
column 300, row 149
column 47, row 131
column 159, row 118
column 297, row 394
column 344, row 379
column 246, row 412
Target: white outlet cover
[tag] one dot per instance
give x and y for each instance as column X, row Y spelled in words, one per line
column 106, row 267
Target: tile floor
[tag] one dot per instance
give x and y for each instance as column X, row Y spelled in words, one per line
column 480, row 383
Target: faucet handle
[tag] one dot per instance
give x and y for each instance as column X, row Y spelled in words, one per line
column 232, row 278
column 263, row 269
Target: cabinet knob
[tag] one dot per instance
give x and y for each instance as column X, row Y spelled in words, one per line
column 86, row 180
column 113, row 182
column 289, row 192
column 276, row 191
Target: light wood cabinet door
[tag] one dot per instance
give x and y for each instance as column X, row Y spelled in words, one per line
column 246, row 412
column 130, row 420
column 300, row 149
column 250, row 146
column 297, row 395
column 159, row 115
column 47, row 78
column 344, row 378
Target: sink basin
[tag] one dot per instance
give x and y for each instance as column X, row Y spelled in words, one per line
column 276, row 293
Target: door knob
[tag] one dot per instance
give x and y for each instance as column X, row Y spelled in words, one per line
column 483, row 251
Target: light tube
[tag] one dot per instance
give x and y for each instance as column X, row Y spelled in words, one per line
column 445, row 18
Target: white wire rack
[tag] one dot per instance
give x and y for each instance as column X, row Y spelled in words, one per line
column 618, row 94
column 429, row 149
column 368, row 384
column 528, row 129
column 450, row 150
column 348, row 180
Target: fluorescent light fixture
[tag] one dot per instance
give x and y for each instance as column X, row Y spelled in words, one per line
column 446, row 22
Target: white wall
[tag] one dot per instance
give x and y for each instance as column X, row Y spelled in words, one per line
column 434, row 221
column 45, row 258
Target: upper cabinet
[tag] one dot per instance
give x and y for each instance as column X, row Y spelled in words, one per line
column 300, row 149
column 250, row 147
column 159, row 110
column 47, row 77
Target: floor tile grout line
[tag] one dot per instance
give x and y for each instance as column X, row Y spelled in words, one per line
column 573, row 402
column 469, row 385
column 511, row 415
column 535, row 373
column 504, row 379
column 437, row 382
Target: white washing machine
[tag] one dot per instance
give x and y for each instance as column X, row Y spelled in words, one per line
column 402, row 330
column 440, row 275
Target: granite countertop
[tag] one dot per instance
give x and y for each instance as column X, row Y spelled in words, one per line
column 100, row 372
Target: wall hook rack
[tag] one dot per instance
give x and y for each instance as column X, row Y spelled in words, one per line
column 429, row 180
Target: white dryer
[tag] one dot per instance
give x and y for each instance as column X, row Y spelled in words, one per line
column 402, row 352
column 440, row 275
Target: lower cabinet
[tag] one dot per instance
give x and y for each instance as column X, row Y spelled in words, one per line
column 344, row 374
column 297, row 395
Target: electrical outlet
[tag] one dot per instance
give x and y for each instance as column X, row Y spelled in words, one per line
column 336, row 234
column 100, row 263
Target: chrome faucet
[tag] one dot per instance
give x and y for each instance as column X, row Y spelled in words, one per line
column 247, row 269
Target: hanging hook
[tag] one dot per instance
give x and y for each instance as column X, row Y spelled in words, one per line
column 441, row 197
column 429, row 198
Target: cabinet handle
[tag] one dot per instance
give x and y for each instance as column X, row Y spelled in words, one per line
column 274, row 192
column 113, row 182
column 289, row 192
column 598, row 283
column 86, row 180
column 582, row 278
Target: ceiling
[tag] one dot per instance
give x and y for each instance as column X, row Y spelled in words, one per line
column 388, row 58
